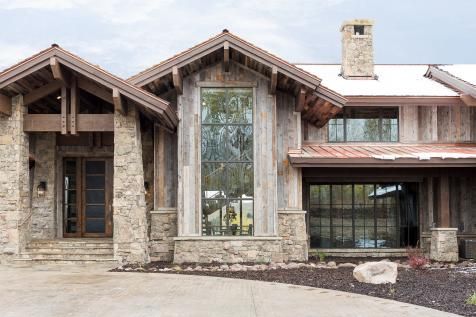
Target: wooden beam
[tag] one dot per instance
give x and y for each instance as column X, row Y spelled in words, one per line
column 177, row 80
column 226, row 56
column 468, row 100
column 119, row 104
column 74, row 106
column 274, row 80
column 95, row 89
column 5, row 105
column 52, row 123
column 64, row 110
column 56, row 69
column 301, row 100
column 42, row 92
column 444, row 202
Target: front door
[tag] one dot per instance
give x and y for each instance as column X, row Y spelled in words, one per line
column 87, row 197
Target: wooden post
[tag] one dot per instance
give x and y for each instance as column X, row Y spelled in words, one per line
column 74, row 105
column 64, row 110
column 444, row 202
column 226, row 56
column 177, row 80
column 274, row 80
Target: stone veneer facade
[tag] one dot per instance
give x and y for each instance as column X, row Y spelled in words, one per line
column 444, row 245
column 130, row 211
column 357, row 50
column 14, row 182
column 163, row 230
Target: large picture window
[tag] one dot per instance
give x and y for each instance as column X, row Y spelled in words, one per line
column 363, row 215
column 357, row 124
column 227, row 161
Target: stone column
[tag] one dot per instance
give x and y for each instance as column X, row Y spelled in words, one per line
column 130, row 212
column 292, row 228
column 14, row 181
column 444, row 245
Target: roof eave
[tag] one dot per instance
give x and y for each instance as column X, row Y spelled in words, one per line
column 451, row 80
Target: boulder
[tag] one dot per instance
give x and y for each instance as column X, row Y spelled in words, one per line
column 376, row 272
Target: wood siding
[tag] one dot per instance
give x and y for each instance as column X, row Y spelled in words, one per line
column 422, row 124
column 264, row 141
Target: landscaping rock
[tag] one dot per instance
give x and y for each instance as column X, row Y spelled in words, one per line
column 346, row 265
column 376, row 272
column 331, row 264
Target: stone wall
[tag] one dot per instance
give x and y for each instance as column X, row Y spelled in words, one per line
column 14, row 181
column 162, row 233
column 357, row 50
column 292, row 228
column 130, row 212
column 43, row 219
column 228, row 249
column 444, row 245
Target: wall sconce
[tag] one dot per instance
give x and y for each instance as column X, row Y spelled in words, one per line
column 41, row 189
column 146, row 187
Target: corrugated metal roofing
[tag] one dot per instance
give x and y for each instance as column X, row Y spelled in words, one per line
column 393, row 80
column 382, row 152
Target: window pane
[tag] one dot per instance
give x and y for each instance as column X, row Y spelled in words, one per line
column 240, row 180
column 94, row 196
column 213, row 143
column 240, row 105
column 240, row 143
column 213, row 105
column 213, row 180
column 362, row 130
column 95, row 167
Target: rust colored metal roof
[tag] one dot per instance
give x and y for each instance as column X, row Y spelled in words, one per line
column 383, row 154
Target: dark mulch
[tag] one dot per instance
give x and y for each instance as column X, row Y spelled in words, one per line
column 442, row 289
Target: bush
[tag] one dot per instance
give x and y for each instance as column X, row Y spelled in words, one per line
column 322, row 256
column 416, row 259
column 471, row 299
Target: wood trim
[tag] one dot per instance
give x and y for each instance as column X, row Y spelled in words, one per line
column 119, row 104
column 74, row 106
column 95, row 90
column 356, row 101
column 468, row 100
column 454, row 82
column 95, row 123
column 6, row 105
column 56, row 70
column 301, row 100
column 64, row 110
column 226, row 56
column 225, row 84
column 444, row 202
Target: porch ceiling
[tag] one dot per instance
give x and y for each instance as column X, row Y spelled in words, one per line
column 384, row 155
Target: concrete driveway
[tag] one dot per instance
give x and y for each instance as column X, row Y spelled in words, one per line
column 91, row 291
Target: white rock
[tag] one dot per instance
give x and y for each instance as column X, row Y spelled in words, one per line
column 293, row 265
column 376, row 272
column 331, row 264
column 347, row 265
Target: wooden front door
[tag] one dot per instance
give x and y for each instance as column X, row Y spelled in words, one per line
column 87, row 197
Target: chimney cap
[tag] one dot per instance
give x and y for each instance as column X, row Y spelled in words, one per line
column 356, row 22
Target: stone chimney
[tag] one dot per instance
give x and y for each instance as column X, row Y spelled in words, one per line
column 357, row 49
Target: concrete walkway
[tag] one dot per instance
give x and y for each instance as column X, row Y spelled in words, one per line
column 91, row 291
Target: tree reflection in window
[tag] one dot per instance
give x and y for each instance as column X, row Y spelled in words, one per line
column 364, row 125
column 227, row 161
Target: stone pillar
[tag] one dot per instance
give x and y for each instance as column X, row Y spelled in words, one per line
column 14, row 181
column 292, row 229
column 43, row 219
column 444, row 245
column 130, row 212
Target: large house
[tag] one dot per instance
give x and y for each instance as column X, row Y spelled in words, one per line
column 227, row 153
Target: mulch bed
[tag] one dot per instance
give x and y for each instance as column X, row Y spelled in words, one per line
column 442, row 289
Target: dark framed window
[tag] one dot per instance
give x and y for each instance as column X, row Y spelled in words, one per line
column 356, row 124
column 363, row 215
column 227, row 161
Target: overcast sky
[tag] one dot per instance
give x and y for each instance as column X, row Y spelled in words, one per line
column 125, row 37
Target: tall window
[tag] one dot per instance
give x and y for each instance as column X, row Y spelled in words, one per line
column 227, row 161
column 363, row 215
column 365, row 125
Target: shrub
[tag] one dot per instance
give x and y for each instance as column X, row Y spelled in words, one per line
column 471, row 299
column 416, row 259
column 322, row 256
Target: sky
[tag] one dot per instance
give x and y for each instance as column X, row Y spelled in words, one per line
column 127, row 36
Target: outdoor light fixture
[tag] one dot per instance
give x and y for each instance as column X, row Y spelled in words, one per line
column 59, row 97
column 41, row 189
column 146, row 187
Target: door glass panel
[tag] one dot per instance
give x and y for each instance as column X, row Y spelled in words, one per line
column 94, row 196
column 95, row 182
column 95, row 167
column 70, row 212
column 95, row 226
column 95, row 211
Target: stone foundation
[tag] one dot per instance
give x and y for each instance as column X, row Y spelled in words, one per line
column 14, row 182
column 163, row 229
column 444, row 245
column 227, row 249
column 130, row 212
column 292, row 229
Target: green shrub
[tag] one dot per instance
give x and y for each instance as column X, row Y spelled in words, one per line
column 322, row 256
column 471, row 299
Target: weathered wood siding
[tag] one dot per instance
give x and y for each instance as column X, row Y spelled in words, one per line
column 288, row 137
column 422, row 124
column 264, row 129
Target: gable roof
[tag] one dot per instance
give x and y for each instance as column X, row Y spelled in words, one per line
column 461, row 78
column 312, row 81
column 145, row 100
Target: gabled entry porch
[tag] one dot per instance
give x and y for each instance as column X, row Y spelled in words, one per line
column 72, row 161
